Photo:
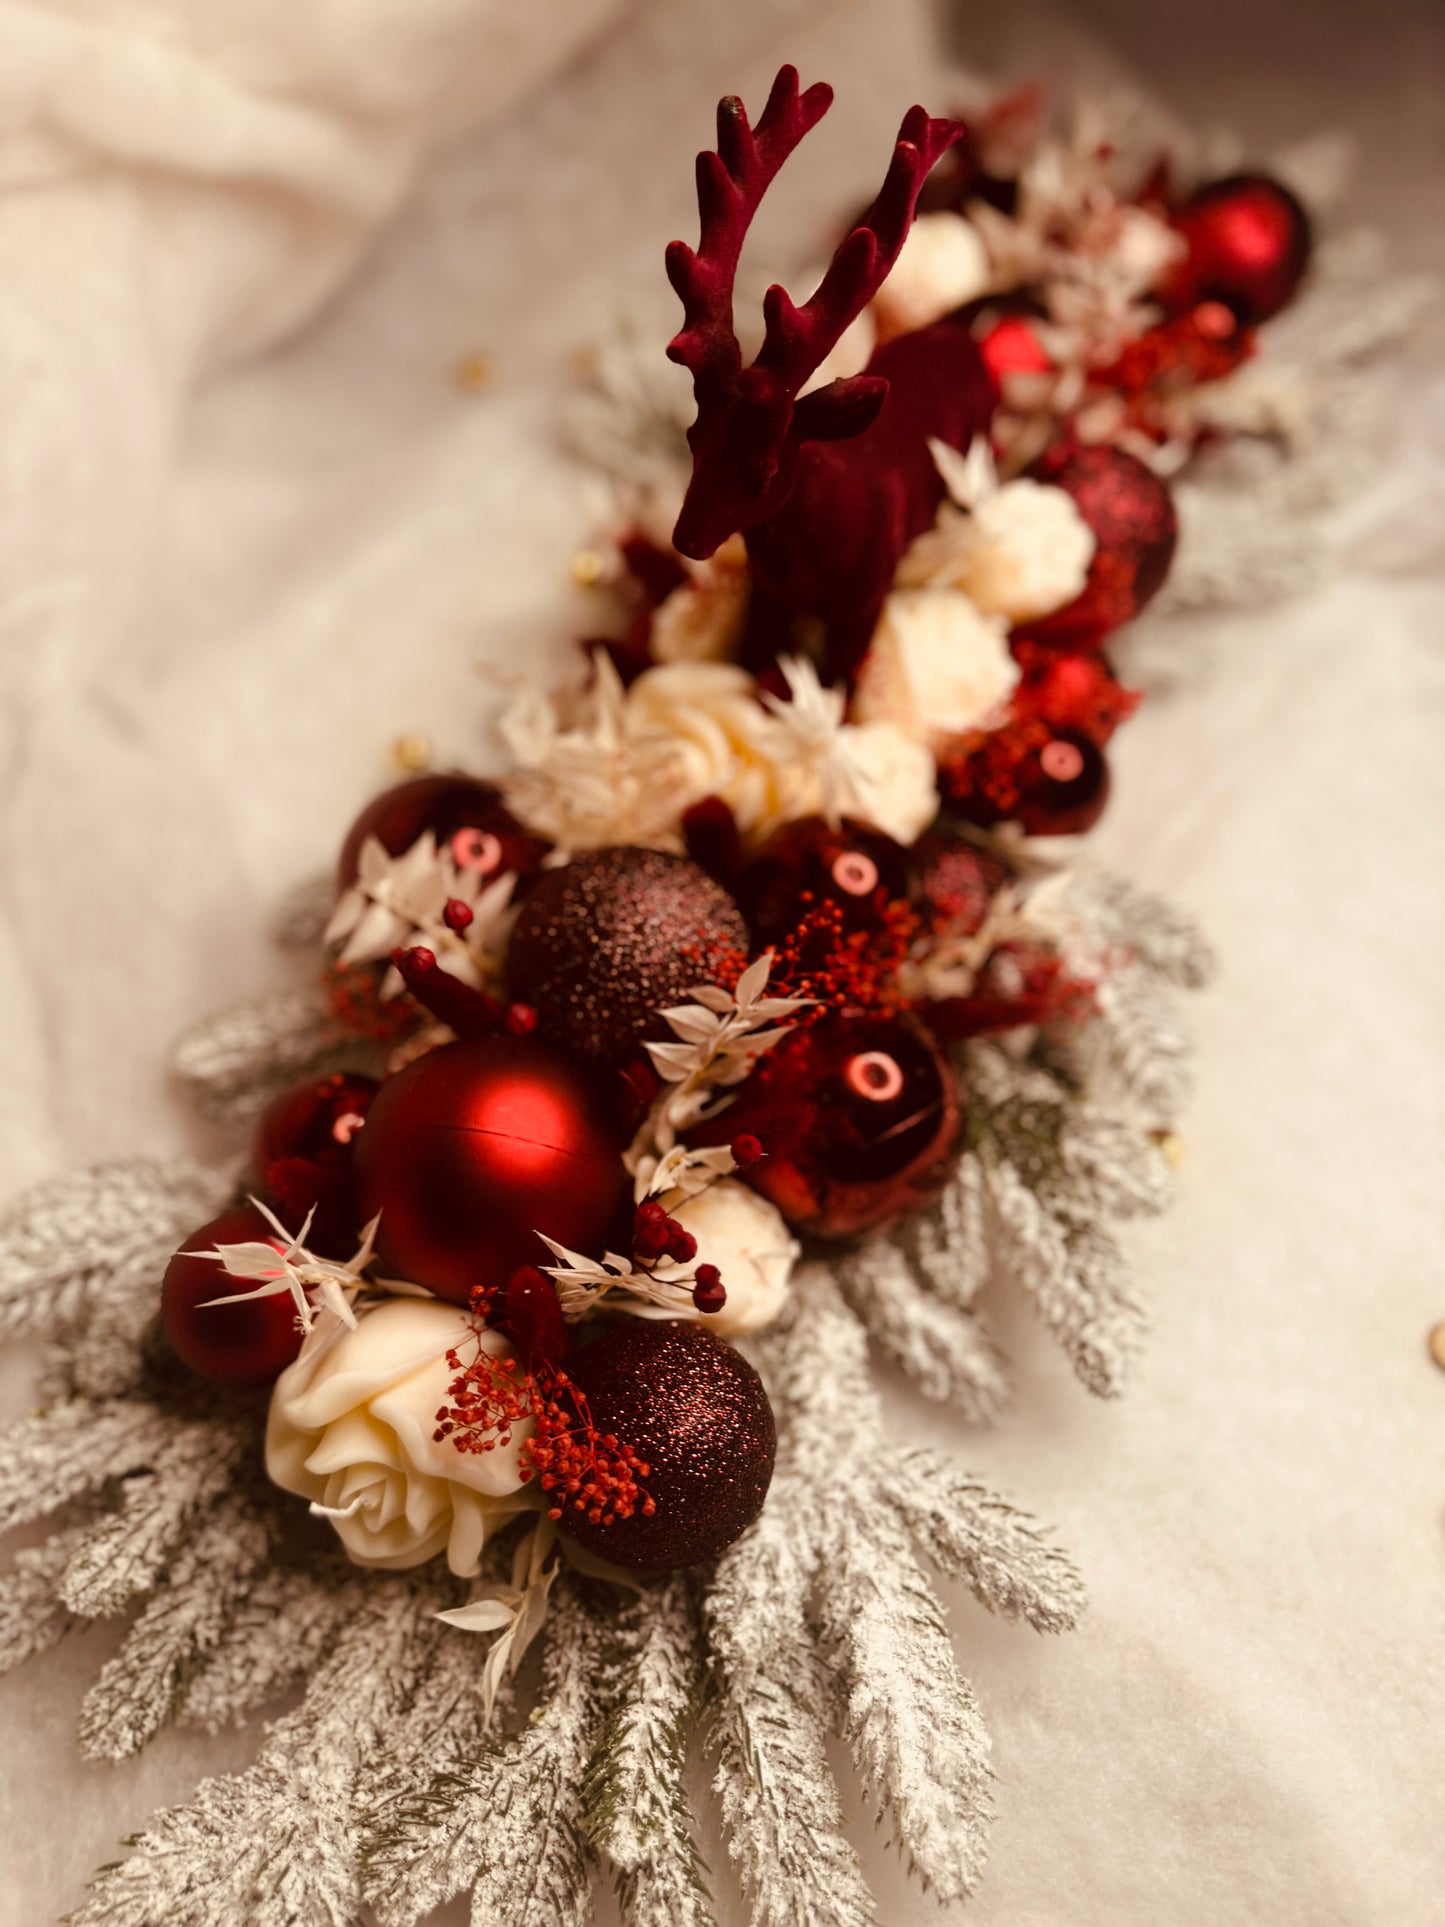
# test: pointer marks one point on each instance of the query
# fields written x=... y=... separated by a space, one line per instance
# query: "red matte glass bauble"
x=604 y=943
x=1249 y=244
x=857 y=1115
x=476 y=1147
x=466 y=816
x=810 y=862
x=1131 y=514
x=954 y=882
x=302 y=1157
x=243 y=1344
x=1063 y=786
x=696 y=1413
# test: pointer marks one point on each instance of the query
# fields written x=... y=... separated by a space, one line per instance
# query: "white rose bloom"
x=748 y=1240
x=1024 y=552
x=722 y=737
x=943 y=263
x=937 y=666
x=894 y=777
x=350 y=1428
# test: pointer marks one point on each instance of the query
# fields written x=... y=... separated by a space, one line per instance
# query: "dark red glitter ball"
x=1249 y=244
x=860 y=1115
x=696 y=1413
x=602 y=945
x=1131 y=513
x=811 y=862
x=467 y=817
x=954 y=882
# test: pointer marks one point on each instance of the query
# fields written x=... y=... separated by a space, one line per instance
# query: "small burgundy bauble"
x=954 y=882
x=466 y=816
x=1248 y=242
x=476 y=1147
x=249 y=1343
x=810 y=862
x=696 y=1413
x=858 y=1115
x=1063 y=786
x=302 y=1157
x=604 y=943
x=1131 y=513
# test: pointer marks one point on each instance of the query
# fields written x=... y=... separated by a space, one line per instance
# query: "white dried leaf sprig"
x=295 y=1269
x=516 y=1612
x=399 y=901
x=720 y=1035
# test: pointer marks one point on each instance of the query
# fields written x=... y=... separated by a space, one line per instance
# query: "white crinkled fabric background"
x=250 y=530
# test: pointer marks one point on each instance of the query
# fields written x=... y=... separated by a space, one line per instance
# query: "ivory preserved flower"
x=702 y=619
x=894 y=779
x=1024 y=552
x=937 y=666
x=943 y=263
x=748 y=1240
x=350 y=1428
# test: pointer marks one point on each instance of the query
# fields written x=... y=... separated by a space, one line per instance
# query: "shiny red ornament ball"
x=303 y=1153
x=954 y=882
x=249 y=1343
x=810 y=862
x=476 y=1147
x=466 y=816
x=1131 y=513
x=606 y=942
x=697 y=1415
x=859 y=1116
x=1249 y=243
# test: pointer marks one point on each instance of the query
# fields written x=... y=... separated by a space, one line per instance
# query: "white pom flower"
x=894 y=779
x=943 y=263
x=1024 y=552
x=937 y=666
x=350 y=1429
x=748 y=1240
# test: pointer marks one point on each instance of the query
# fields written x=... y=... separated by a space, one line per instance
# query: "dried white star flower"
x=290 y=1267
x=398 y=901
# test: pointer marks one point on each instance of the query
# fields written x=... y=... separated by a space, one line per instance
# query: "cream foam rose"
x=1024 y=552
x=937 y=666
x=350 y=1428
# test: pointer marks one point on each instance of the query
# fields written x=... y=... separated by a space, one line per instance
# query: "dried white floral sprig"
x=516 y=1611
x=290 y=1267
x=398 y=902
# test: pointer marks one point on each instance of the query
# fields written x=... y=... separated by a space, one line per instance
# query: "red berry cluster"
x=841 y=969
x=355 y=1004
x=656 y=1236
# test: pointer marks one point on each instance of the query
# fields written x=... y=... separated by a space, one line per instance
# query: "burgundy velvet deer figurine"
x=830 y=487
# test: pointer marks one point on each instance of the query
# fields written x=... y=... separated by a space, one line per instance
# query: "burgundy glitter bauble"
x=302 y=1157
x=696 y=1413
x=1131 y=514
x=857 y=1114
x=603 y=944
x=1249 y=244
x=466 y=816
x=1063 y=787
x=476 y=1147
x=811 y=862
x=249 y=1343
x=954 y=882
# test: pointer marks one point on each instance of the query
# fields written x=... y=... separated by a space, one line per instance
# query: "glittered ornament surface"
x=606 y=942
x=248 y=1343
x=476 y=1147
x=697 y=1414
x=857 y=1116
x=1131 y=513
x=467 y=817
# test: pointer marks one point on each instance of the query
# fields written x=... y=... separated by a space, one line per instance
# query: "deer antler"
x=750 y=421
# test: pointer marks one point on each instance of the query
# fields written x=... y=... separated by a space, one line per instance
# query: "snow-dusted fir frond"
x=301 y=913
x=70 y=1239
x=771 y=1717
x=1152 y=932
x=33 y=1617
x=126 y=1552
x=186 y=1619
x=508 y=1822
x=949 y=1244
x=1085 y=1301
x=1137 y=1042
x=53 y=1457
x=910 y=1718
x=278 y=1632
x=944 y=1350
x=635 y=1797
x=276 y=1846
x=234 y=1063
x=972 y=1534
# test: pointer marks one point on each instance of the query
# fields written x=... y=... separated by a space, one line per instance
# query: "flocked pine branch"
x=635 y=1797
x=52 y=1457
x=234 y=1063
x=945 y=1350
x=277 y=1634
x=33 y=1616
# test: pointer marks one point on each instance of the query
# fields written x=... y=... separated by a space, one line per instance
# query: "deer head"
x=752 y=421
